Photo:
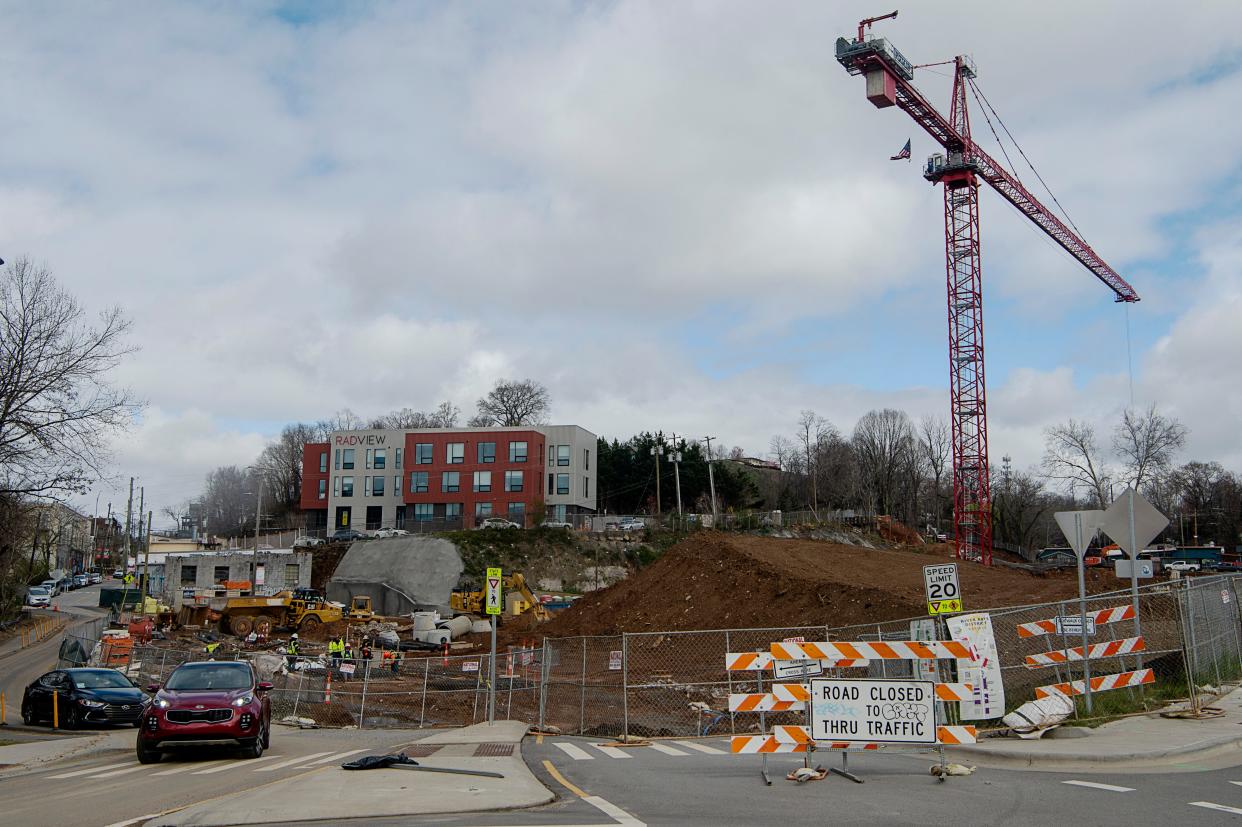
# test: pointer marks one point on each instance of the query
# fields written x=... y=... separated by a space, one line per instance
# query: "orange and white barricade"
x=1101 y=617
x=793 y=697
x=1107 y=649
x=1101 y=683
x=877 y=650
x=748 y=661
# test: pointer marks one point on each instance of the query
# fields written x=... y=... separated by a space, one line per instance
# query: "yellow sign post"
x=494 y=579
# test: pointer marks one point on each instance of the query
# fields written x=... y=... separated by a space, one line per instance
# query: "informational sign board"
x=874 y=711
x=614 y=660
x=1072 y=625
x=1146 y=569
x=924 y=629
x=493 y=591
x=260 y=574
x=984 y=674
x=944 y=595
x=470 y=666
x=793 y=669
x=347 y=669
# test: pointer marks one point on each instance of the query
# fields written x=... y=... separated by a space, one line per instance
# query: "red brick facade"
x=531 y=470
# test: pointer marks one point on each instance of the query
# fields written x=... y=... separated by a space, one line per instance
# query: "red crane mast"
x=889 y=79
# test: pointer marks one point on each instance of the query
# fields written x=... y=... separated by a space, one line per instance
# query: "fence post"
x=362 y=706
x=422 y=712
x=582 y=690
x=1187 y=657
x=729 y=678
x=298 y=696
x=543 y=684
x=625 y=686
x=1215 y=638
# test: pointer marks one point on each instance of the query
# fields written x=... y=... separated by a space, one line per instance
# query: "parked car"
x=1182 y=565
x=308 y=542
x=38 y=596
x=558 y=524
x=631 y=524
x=347 y=535
x=498 y=522
x=85 y=696
x=52 y=586
x=390 y=532
x=94 y=577
x=81 y=581
x=207 y=703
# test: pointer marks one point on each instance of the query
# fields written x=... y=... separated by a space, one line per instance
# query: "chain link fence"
x=654 y=684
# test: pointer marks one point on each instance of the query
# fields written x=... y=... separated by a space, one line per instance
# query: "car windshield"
x=38 y=591
x=103 y=679
x=210 y=676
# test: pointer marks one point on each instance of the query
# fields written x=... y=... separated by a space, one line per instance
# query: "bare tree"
x=1146 y=443
x=57 y=408
x=342 y=420
x=510 y=404
x=885 y=445
x=1071 y=456
x=407 y=419
x=1019 y=505
x=813 y=429
x=935 y=445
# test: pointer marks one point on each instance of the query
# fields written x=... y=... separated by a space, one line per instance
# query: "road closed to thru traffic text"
x=874 y=711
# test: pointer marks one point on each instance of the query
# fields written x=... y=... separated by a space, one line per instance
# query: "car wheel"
x=147 y=755
x=255 y=748
x=267 y=736
x=28 y=714
x=70 y=719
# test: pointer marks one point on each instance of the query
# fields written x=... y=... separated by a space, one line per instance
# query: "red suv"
x=207 y=703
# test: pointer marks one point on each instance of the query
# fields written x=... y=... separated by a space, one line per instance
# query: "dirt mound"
x=714 y=580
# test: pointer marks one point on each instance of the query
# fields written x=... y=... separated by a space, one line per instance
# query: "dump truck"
x=299 y=609
x=472 y=602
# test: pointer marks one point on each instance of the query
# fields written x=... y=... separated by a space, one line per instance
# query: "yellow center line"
x=562 y=780
x=539 y=738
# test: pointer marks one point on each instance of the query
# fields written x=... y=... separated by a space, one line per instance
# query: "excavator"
x=472 y=601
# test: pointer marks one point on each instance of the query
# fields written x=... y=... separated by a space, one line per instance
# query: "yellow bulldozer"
x=472 y=602
x=299 y=609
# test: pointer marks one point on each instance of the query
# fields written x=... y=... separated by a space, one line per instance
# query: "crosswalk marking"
x=575 y=752
x=1237 y=783
x=197 y=765
x=701 y=747
x=76 y=773
x=611 y=752
x=245 y=762
x=337 y=757
x=667 y=750
x=114 y=773
x=1097 y=786
x=301 y=759
x=1209 y=805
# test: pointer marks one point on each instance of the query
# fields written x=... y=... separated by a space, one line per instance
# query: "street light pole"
x=711 y=480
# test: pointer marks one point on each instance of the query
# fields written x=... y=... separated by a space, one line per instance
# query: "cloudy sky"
x=675 y=215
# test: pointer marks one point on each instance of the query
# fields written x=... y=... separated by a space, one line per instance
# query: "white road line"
x=301 y=759
x=575 y=752
x=667 y=750
x=231 y=765
x=337 y=757
x=115 y=773
x=611 y=752
x=1238 y=783
x=1093 y=785
x=130 y=821
x=701 y=747
x=196 y=765
x=76 y=773
x=1209 y=805
x=612 y=810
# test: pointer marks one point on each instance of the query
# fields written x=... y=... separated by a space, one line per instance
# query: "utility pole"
x=107 y=539
x=657 y=451
x=674 y=456
x=146 y=566
x=711 y=481
x=258 y=511
x=129 y=518
x=142 y=504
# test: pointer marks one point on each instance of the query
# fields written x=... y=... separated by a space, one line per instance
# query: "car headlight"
x=162 y=704
x=90 y=703
x=243 y=700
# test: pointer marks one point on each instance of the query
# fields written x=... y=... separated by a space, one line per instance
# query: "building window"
x=323 y=462
x=400 y=521
x=396 y=485
x=482 y=481
x=551 y=456
x=452 y=511
x=419 y=483
x=292 y=573
x=398 y=465
x=381 y=458
x=423 y=453
x=347 y=459
x=562 y=455
x=551 y=477
x=586 y=486
x=220 y=575
x=377 y=486
x=482 y=509
x=424 y=512
x=189 y=575
x=513 y=480
x=487 y=452
x=517 y=452
x=586 y=459
x=517 y=513
x=450 y=481
x=347 y=486
x=562 y=483
x=323 y=489
x=455 y=453
x=366 y=486
x=336 y=486
x=370 y=455
x=336 y=460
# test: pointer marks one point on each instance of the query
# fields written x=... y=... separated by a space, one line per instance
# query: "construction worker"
x=210 y=649
x=291 y=651
x=336 y=650
x=349 y=658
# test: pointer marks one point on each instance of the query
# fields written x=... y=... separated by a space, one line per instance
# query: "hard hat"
x=295 y=635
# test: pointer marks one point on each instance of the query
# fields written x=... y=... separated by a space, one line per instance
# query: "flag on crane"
x=905 y=152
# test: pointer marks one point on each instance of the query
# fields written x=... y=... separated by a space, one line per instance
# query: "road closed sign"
x=877 y=712
x=944 y=595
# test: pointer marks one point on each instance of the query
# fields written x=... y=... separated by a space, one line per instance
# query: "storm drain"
x=421 y=750
x=483 y=750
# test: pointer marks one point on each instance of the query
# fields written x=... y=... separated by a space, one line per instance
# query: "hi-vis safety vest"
x=293 y=647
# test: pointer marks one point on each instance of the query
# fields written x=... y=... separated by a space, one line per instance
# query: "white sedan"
x=390 y=532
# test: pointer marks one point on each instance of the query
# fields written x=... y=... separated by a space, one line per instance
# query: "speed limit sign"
x=944 y=596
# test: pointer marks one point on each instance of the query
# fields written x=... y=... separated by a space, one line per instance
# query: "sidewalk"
x=1149 y=739
x=332 y=794
x=30 y=755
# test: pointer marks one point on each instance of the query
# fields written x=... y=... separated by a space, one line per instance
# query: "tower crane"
x=889 y=82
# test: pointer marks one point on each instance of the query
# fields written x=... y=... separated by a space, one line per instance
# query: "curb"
x=1033 y=759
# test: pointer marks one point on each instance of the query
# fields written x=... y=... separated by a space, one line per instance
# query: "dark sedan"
x=84 y=696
